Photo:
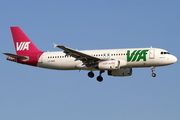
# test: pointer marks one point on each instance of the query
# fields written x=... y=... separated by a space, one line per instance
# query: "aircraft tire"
x=99 y=78
x=91 y=74
x=153 y=74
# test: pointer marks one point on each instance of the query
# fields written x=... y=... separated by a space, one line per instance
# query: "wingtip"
x=5 y=53
x=55 y=45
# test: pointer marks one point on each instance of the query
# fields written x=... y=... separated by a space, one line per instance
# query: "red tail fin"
x=23 y=45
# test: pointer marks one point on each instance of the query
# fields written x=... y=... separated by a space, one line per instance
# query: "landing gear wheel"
x=153 y=74
x=153 y=69
x=91 y=74
x=100 y=78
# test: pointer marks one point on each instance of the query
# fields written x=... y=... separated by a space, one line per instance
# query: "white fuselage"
x=117 y=62
x=134 y=58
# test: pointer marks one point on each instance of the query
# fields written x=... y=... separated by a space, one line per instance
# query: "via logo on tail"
x=22 y=46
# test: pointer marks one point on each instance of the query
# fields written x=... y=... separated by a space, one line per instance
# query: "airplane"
x=117 y=62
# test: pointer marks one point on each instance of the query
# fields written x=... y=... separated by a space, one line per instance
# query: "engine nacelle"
x=120 y=72
x=111 y=64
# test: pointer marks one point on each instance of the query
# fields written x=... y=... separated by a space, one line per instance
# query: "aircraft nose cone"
x=174 y=59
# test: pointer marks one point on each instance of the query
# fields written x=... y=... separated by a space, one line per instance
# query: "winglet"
x=55 y=45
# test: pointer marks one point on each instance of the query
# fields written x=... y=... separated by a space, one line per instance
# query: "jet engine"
x=111 y=64
x=120 y=72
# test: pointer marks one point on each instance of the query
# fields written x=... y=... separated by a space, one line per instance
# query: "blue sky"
x=29 y=93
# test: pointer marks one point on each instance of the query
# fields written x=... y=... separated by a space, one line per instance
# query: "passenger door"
x=151 y=53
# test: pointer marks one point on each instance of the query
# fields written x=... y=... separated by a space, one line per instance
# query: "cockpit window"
x=165 y=53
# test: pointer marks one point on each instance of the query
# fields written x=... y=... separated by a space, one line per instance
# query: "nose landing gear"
x=153 y=69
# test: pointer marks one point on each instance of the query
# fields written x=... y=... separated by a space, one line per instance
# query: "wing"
x=88 y=60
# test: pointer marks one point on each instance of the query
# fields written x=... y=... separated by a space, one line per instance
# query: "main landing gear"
x=153 y=69
x=99 y=78
x=91 y=74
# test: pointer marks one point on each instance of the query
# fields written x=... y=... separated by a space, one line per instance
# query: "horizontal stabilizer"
x=16 y=56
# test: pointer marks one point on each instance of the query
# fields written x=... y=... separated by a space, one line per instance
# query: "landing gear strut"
x=100 y=78
x=91 y=74
x=153 y=69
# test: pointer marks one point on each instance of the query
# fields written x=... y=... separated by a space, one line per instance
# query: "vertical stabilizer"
x=23 y=45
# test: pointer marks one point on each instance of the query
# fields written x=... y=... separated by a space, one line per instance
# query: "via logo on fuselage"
x=136 y=55
x=22 y=46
